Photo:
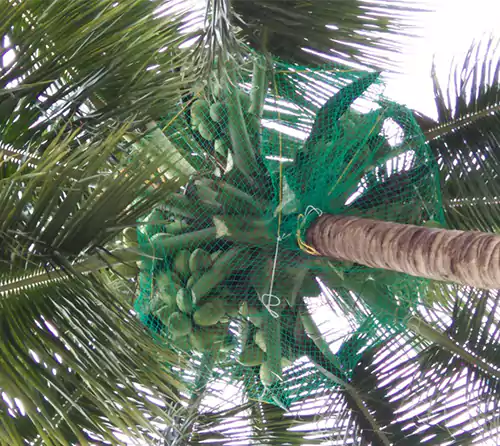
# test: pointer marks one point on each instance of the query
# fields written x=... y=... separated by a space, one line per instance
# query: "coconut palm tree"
x=80 y=83
x=429 y=384
x=373 y=416
x=72 y=349
x=437 y=382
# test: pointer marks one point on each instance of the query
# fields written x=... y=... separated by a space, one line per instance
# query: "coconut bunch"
x=209 y=250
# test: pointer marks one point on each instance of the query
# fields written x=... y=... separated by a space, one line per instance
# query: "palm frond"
x=217 y=43
x=75 y=363
x=348 y=32
x=430 y=391
x=473 y=321
x=417 y=400
x=86 y=62
x=72 y=200
x=465 y=139
x=413 y=390
x=58 y=208
x=82 y=76
x=357 y=33
x=326 y=417
x=408 y=380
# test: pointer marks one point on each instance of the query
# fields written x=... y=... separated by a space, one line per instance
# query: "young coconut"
x=181 y=262
x=209 y=313
x=184 y=300
x=179 y=324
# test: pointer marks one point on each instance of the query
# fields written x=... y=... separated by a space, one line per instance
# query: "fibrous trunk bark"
x=468 y=258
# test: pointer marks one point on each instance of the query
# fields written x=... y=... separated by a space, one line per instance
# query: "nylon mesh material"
x=226 y=273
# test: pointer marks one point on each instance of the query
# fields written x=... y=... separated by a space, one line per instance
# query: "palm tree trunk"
x=468 y=258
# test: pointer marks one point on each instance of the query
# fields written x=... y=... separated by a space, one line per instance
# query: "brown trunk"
x=468 y=258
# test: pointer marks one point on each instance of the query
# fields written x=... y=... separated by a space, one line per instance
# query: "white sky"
x=446 y=33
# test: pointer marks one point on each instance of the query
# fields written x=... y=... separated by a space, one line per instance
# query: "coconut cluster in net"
x=226 y=273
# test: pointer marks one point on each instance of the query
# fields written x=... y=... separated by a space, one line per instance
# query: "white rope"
x=311 y=209
x=267 y=299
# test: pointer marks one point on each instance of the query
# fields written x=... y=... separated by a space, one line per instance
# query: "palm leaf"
x=71 y=202
x=418 y=388
x=86 y=62
x=355 y=33
x=76 y=365
x=68 y=346
x=465 y=139
x=415 y=391
x=437 y=395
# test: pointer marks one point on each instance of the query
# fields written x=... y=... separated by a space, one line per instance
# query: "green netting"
x=225 y=272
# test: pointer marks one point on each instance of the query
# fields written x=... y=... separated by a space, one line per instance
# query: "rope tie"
x=267 y=299
x=303 y=221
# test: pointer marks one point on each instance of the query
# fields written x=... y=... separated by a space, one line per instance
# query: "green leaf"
x=465 y=139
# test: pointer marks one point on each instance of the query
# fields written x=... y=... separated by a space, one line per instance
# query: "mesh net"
x=226 y=273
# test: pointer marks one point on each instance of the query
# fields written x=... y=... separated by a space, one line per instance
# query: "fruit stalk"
x=172 y=243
